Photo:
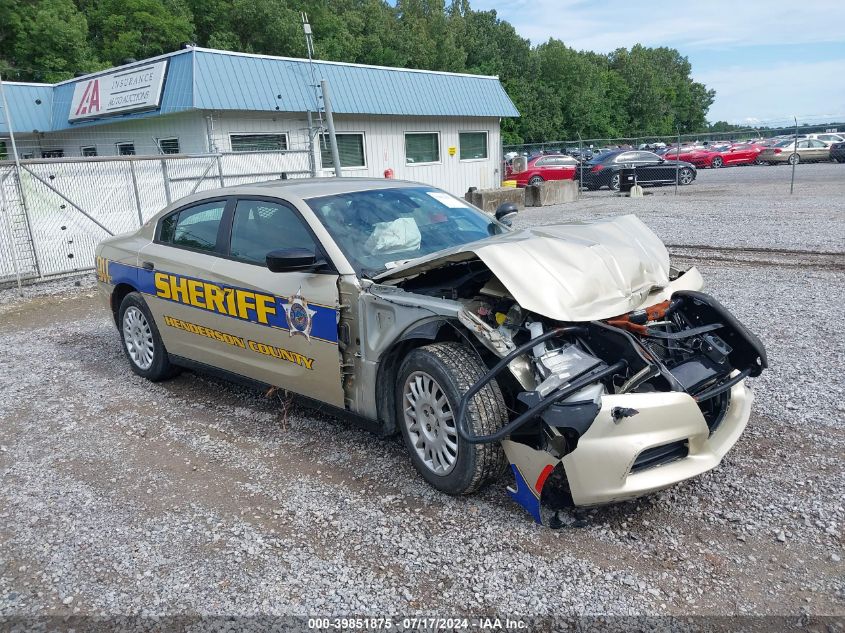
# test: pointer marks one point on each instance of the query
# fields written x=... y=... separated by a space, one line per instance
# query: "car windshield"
x=382 y=228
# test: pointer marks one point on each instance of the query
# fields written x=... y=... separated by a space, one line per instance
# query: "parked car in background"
x=546 y=167
x=651 y=169
x=796 y=151
x=580 y=154
x=837 y=152
x=828 y=137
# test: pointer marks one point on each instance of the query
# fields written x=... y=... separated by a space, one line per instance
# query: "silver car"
x=807 y=151
x=575 y=353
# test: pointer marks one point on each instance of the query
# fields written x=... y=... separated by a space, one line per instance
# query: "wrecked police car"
x=575 y=353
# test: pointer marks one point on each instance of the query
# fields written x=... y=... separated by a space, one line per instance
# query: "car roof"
x=305 y=188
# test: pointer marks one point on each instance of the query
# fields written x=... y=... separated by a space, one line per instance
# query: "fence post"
x=12 y=246
x=135 y=190
x=220 y=170
x=166 y=179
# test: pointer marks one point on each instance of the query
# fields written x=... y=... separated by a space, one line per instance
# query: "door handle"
x=148 y=266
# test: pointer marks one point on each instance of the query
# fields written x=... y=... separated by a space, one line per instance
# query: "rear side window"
x=260 y=227
x=194 y=227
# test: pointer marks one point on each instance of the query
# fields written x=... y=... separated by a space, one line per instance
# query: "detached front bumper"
x=608 y=465
x=601 y=468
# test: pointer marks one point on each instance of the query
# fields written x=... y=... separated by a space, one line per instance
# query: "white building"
x=433 y=127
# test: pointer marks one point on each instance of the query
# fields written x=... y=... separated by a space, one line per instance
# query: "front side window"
x=473 y=145
x=126 y=149
x=350 y=147
x=195 y=227
x=258 y=142
x=379 y=228
x=260 y=227
x=422 y=147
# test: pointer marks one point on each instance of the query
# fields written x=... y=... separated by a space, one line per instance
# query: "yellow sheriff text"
x=281 y=354
x=201 y=330
x=234 y=302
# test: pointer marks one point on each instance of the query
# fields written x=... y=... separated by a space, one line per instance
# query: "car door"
x=650 y=167
x=173 y=271
x=288 y=326
x=818 y=150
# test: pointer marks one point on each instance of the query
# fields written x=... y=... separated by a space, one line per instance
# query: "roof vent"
x=185 y=45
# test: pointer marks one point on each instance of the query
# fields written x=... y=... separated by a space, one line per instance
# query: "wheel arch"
x=117 y=295
x=418 y=335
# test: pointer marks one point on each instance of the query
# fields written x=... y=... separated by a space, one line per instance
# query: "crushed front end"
x=612 y=409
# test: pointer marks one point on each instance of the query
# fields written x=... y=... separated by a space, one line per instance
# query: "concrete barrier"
x=490 y=199
x=551 y=192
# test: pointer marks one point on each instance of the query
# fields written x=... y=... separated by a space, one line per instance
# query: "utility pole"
x=327 y=105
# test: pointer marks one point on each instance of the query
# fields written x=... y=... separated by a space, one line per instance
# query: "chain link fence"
x=54 y=211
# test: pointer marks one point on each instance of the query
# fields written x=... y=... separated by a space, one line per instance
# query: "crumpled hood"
x=568 y=272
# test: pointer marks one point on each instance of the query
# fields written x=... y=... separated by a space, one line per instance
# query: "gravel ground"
x=119 y=496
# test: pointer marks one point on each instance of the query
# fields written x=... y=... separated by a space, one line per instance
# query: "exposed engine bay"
x=558 y=376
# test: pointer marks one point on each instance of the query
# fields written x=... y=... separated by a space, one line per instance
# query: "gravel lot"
x=119 y=496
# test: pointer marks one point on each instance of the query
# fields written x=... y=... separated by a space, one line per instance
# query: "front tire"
x=431 y=381
x=141 y=340
x=717 y=162
x=794 y=159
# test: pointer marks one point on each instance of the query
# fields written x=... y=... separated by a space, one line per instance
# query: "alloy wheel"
x=138 y=338
x=430 y=423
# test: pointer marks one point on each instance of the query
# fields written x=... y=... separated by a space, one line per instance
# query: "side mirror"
x=288 y=260
x=506 y=213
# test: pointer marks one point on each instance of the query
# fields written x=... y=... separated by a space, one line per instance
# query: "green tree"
x=47 y=40
x=139 y=28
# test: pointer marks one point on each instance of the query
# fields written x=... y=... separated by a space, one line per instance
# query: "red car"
x=717 y=156
x=546 y=167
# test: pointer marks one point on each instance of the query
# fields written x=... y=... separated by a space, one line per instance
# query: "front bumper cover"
x=599 y=470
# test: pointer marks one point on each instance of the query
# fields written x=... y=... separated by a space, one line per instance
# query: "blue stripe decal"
x=524 y=496
x=310 y=320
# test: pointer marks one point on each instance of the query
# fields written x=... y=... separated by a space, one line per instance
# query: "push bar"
x=540 y=406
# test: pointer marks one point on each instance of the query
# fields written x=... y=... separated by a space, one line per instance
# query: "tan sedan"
x=575 y=353
x=808 y=150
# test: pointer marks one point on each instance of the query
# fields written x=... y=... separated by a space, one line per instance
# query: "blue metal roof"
x=235 y=81
x=205 y=79
x=28 y=115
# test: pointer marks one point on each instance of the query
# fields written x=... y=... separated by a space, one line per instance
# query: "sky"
x=767 y=60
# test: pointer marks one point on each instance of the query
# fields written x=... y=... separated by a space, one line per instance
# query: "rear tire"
x=535 y=180
x=614 y=182
x=141 y=341
x=794 y=159
x=717 y=162
x=431 y=381
x=685 y=176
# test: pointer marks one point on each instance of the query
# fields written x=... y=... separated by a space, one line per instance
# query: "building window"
x=473 y=145
x=258 y=142
x=349 y=146
x=53 y=153
x=168 y=145
x=4 y=154
x=90 y=150
x=422 y=147
x=125 y=149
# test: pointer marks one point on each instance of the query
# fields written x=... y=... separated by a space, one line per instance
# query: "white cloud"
x=810 y=90
x=719 y=24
